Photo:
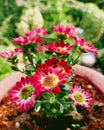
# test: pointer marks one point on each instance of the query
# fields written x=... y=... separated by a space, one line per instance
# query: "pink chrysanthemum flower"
x=11 y=54
x=61 y=64
x=60 y=29
x=24 y=93
x=64 y=32
x=43 y=48
x=60 y=48
x=28 y=39
x=80 y=96
x=48 y=63
x=87 y=47
x=33 y=36
x=42 y=67
x=50 y=79
x=70 y=31
x=90 y=48
x=39 y=31
x=20 y=40
x=55 y=63
x=35 y=39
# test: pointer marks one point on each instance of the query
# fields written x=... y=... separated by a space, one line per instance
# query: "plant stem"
x=28 y=52
x=38 y=101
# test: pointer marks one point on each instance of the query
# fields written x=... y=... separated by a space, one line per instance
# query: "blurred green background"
x=19 y=16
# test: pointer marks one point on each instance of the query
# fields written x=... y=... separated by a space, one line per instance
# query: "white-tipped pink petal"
x=23 y=94
x=80 y=96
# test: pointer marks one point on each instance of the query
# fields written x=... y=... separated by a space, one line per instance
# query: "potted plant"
x=47 y=89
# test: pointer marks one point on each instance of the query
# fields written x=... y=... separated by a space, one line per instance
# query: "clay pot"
x=9 y=82
x=96 y=78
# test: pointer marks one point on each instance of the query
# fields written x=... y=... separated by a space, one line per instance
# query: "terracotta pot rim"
x=95 y=77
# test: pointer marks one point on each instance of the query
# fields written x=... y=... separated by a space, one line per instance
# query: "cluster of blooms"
x=46 y=88
x=33 y=36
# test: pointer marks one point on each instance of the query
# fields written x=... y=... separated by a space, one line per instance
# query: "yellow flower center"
x=62 y=48
x=85 y=47
x=26 y=92
x=50 y=81
x=79 y=97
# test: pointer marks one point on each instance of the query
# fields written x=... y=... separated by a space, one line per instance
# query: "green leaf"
x=38 y=62
x=47 y=95
x=29 y=67
x=52 y=99
x=16 y=61
x=14 y=68
x=48 y=106
x=75 y=61
x=37 y=107
x=28 y=73
x=61 y=108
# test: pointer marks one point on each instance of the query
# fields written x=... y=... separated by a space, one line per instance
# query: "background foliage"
x=17 y=18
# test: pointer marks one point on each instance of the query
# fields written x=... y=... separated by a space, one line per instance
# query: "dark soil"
x=89 y=119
